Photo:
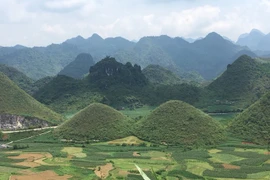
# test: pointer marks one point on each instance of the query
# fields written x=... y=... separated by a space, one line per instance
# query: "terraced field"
x=116 y=159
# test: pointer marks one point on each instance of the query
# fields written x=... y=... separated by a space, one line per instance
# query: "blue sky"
x=42 y=22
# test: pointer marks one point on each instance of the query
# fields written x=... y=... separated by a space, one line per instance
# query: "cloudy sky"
x=42 y=22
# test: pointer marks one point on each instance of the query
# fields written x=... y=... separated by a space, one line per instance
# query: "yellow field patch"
x=259 y=151
x=224 y=158
x=45 y=175
x=74 y=151
x=198 y=167
x=31 y=159
x=214 y=151
x=128 y=140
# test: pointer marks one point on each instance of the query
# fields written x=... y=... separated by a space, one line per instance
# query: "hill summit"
x=79 y=67
x=178 y=123
x=253 y=124
x=96 y=122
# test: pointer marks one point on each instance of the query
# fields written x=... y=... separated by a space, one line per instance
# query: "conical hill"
x=96 y=122
x=253 y=124
x=178 y=123
x=15 y=101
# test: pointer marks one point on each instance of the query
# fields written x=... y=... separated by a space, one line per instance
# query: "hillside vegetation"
x=244 y=82
x=112 y=83
x=14 y=100
x=160 y=75
x=19 y=78
x=178 y=123
x=254 y=123
x=95 y=122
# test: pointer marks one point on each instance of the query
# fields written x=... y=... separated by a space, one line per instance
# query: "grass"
x=198 y=167
x=95 y=122
x=168 y=162
x=172 y=123
x=74 y=151
x=138 y=113
x=15 y=101
x=224 y=158
x=130 y=140
x=260 y=175
x=223 y=118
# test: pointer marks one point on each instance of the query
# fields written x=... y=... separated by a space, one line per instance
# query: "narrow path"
x=25 y=130
x=28 y=137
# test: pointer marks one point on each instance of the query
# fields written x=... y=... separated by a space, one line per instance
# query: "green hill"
x=178 y=123
x=253 y=124
x=244 y=82
x=112 y=83
x=18 y=77
x=95 y=122
x=79 y=67
x=14 y=100
x=160 y=75
x=109 y=72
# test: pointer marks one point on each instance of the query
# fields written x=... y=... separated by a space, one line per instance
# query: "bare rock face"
x=14 y=122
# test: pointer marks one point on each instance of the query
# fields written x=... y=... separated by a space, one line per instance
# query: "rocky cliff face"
x=13 y=122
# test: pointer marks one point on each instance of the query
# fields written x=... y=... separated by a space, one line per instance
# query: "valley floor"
x=43 y=157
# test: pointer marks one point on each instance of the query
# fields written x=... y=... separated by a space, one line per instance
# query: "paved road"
x=25 y=130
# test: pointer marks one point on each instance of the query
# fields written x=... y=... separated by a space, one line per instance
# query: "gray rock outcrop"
x=14 y=122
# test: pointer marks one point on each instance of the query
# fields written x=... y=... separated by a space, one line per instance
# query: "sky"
x=43 y=22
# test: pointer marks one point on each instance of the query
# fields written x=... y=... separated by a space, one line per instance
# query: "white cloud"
x=39 y=22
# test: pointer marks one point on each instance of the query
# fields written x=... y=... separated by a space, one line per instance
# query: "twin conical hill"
x=15 y=101
x=178 y=123
x=96 y=122
x=253 y=124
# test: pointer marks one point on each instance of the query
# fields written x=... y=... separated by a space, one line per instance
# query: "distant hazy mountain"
x=264 y=44
x=99 y=47
x=255 y=40
x=208 y=56
x=39 y=62
x=79 y=67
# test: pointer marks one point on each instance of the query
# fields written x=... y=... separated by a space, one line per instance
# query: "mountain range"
x=204 y=58
x=256 y=41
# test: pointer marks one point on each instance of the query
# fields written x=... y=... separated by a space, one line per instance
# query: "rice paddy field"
x=42 y=157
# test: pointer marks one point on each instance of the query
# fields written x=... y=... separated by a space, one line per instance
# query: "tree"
x=1 y=135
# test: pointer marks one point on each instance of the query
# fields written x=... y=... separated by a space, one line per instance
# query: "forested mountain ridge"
x=244 y=82
x=175 y=54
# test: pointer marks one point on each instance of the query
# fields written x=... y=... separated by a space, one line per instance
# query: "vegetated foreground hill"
x=160 y=75
x=244 y=82
x=14 y=100
x=253 y=124
x=78 y=68
x=18 y=78
x=178 y=123
x=95 y=122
